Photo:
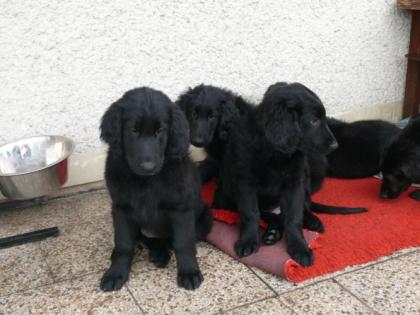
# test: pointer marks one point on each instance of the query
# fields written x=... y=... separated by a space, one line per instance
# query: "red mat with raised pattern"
x=348 y=240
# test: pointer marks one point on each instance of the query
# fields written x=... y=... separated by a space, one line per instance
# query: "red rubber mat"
x=348 y=240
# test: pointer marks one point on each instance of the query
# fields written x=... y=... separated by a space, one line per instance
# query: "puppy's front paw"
x=247 y=247
x=113 y=280
x=302 y=254
x=313 y=223
x=271 y=236
x=190 y=280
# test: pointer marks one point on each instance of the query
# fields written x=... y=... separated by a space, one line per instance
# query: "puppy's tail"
x=204 y=223
x=320 y=208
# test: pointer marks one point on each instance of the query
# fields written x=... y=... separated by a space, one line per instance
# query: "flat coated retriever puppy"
x=211 y=111
x=266 y=164
x=361 y=147
x=154 y=186
x=401 y=166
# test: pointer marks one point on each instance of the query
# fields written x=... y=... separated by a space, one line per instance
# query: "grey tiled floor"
x=61 y=275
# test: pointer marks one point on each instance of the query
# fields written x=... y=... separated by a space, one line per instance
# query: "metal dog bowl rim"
x=70 y=141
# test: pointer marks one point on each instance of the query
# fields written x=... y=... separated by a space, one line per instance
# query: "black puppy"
x=361 y=147
x=211 y=111
x=266 y=164
x=401 y=166
x=154 y=186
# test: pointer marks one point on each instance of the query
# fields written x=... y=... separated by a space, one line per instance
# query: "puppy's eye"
x=194 y=115
x=158 y=132
x=211 y=117
x=316 y=122
x=134 y=130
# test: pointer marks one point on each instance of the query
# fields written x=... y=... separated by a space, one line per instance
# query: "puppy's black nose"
x=148 y=166
x=197 y=141
x=333 y=145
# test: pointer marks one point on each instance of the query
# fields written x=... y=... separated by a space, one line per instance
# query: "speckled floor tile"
x=56 y=212
x=271 y=306
x=204 y=249
x=227 y=284
x=326 y=297
x=84 y=207
x=17 y=221
x=78 y=296
x=281 y=285
x=389 y=287
x=22 y=267
x=80 y=248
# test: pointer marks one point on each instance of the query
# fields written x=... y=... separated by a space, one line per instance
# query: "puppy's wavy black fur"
x=401 y=166
x=154 y=186
x=211 y=111
x=266 y=164
x=362 y=146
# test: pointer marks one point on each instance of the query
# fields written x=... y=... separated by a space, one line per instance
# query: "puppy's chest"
x=273 y=172
x=216 y=149
x=147 y=212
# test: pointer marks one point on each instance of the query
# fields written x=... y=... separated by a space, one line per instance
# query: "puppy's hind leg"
x=274 y=230
x=159 y=251
x=311 y=221
x=208 y=169
x=220 y=200
x=125 y=238
x=204 y=223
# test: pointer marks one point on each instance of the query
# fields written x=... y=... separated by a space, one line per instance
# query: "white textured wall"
x=63 y=62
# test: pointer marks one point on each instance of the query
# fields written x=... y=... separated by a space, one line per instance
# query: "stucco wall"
x=63 y=62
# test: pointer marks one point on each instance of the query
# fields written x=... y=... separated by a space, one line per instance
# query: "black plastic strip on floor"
x=28 y=237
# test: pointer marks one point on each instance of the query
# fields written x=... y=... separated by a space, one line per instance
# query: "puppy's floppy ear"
x=111 y=126
x=310 y=92
x=281 y=126
x=229 y=113
x=274 y=86
x=186 y=99
x=178 y=140
x=183 y=100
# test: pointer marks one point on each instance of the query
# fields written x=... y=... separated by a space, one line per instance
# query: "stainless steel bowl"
x=34 y=167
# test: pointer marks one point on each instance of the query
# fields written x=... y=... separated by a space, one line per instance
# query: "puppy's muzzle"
x=197 y=141
x=333 y=146
x=148 y=166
